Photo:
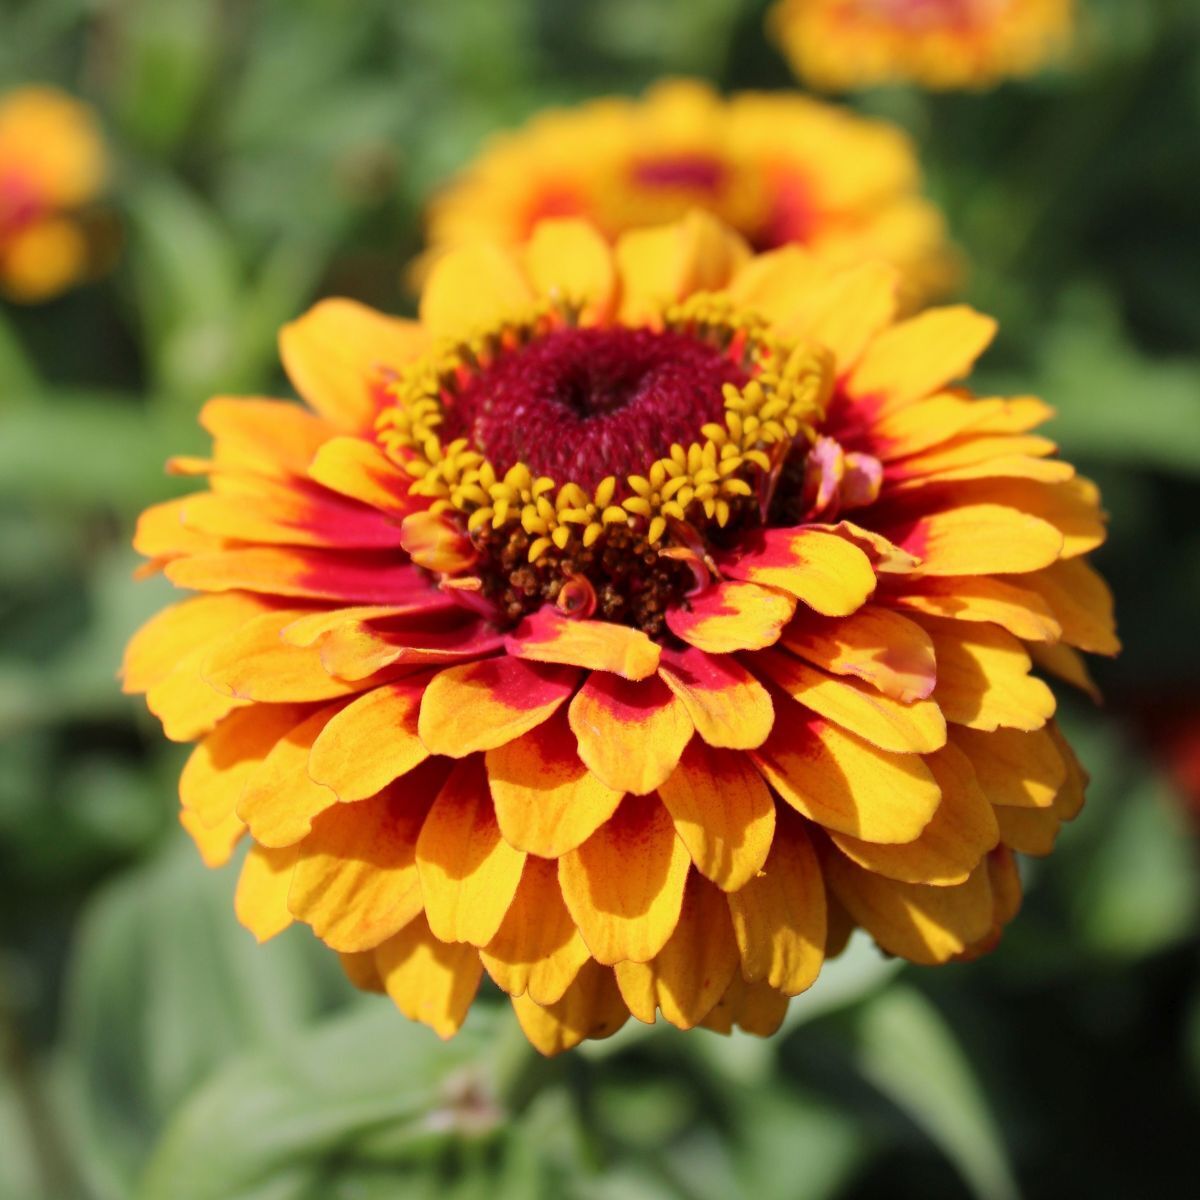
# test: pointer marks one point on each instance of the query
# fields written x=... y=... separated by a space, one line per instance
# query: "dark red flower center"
x=581 y=404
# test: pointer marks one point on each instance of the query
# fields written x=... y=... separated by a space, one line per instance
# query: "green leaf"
x=272 y=1122
x=905 y=1049
x=165 y=985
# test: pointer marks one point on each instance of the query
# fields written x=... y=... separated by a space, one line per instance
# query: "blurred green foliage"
x=271 y=151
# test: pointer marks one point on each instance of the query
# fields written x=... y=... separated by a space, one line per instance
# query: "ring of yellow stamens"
x=700 y=483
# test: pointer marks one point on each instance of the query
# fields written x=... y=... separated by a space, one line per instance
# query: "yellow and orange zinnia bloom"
x=52 y=163
x=778 y=168
x=838 y=45
x=631 y=628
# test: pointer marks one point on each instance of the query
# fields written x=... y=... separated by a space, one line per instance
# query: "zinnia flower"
x=838 y=45
x=52 y=163
x=631 y=628
x=778 y=168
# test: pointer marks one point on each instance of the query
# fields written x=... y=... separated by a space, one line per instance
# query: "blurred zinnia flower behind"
x=632 y=627
x=838 y=45
x=777 y=168
x=52 y=164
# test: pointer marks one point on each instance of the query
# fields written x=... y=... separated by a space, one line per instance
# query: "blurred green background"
x=272 y=151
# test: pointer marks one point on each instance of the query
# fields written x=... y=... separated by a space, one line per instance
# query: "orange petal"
x=829 y=574
x=434 y=543
x=340 y=351
x=218 y=770
x=624 y=885
x=1072 y=508
x=160 y=646
x=161 y=532
x=280 y=799
x=310 y=574
x=548 y=636
x=727 y=705
x=847 y=310
x=889 y=724
x=359 y=650
x=1069 y=802
x=927 y=925
x=276 y=438
x=361 y=970
x=779 y=916
x=984 y=680
x=758 y=1008
x=186 y=704
x=919 y=426
x=537 y=949
x=473 y=289
x=1031 y=831
x=662 y=265
x=469 y=873
x=732 y=616
x=568 y=262
x=844 y=783
x=723 y=813
x=978 y=539
x=255 y=663
x=547 y=801
x=590 y=1008
x=1015 y=769
x=356 y=880
x=952 y=845
x=481 y=705
x=1082 y=603
x=916 y=357
x=372 y=741
x=1011 y=605
x=693 y=970
x=354 y=467
x=260 y=901
x=629 y=734
x=876 y=645
x=215 y=843
x=429 y=981
x=1066 y=664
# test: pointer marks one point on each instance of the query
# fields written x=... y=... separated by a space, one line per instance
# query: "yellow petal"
x=430 y=981
x=876 y=645
x=732 y=616
x=1014 y=768
x=547 y=801
x=590 y=1008
x=927 y=925
x=469 y=873
x=260 y=901
x=280 y=800
x=356 y=880
x=693 y=970
x=473 y=289
x=844 y=783
x=889 y=724
x=779 y=916
x=723 y=813
x=916 y=357
x=983 y=678
x=727 y=705
x=339 y=351
x=568 y=261
x=537 y=948
x=629 y=734
x=1007 y=603
x=1082 y=603
x=372 y=741
x=624 y=885
x=952 y=845
x=550 y=637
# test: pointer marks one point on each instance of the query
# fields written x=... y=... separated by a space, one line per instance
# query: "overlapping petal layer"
x=836 y=721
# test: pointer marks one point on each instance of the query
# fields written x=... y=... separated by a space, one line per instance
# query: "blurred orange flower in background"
x=52 y=164
x=839 y=45
x=632 y=627
x=778 y=168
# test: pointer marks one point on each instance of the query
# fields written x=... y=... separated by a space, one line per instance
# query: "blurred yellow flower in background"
x=52 y=164
x=839 y=45
x=631 y=628
x=778 y=168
